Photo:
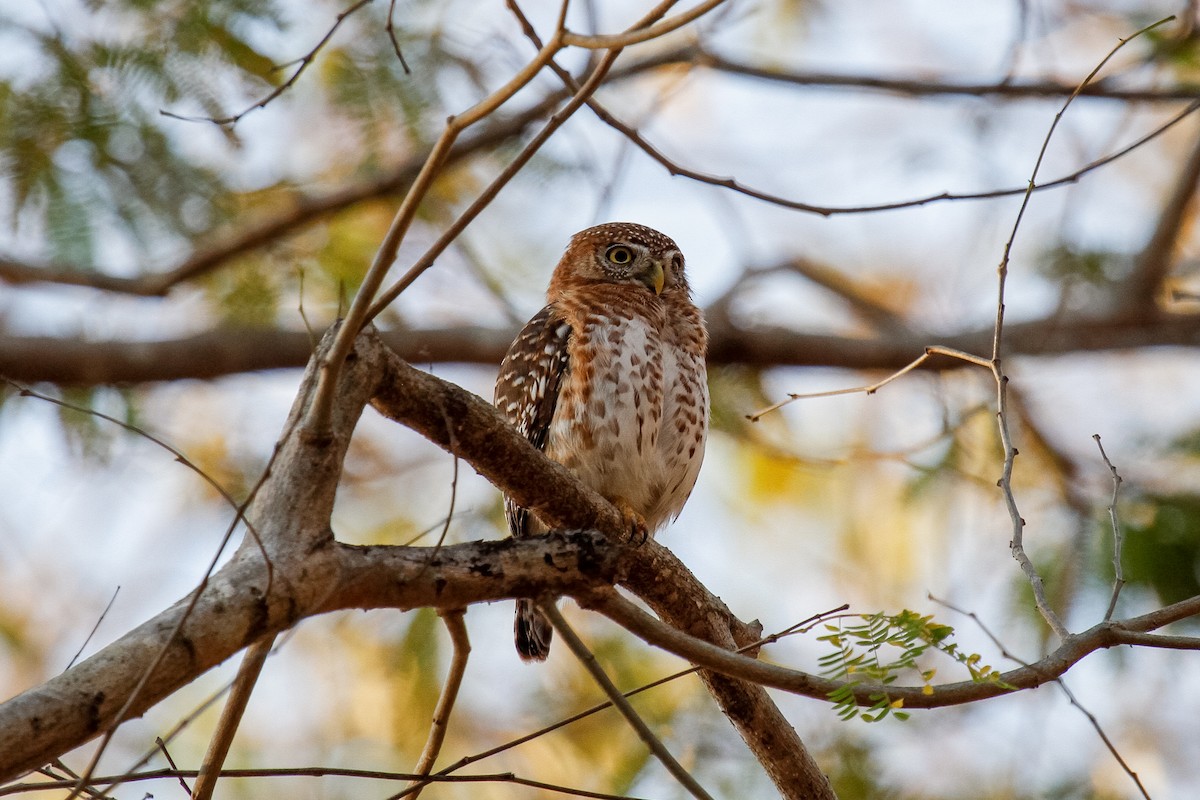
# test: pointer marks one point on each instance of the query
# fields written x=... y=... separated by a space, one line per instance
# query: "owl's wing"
x=527 y=388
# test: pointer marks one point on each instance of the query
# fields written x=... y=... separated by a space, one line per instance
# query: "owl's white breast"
x=632 y=419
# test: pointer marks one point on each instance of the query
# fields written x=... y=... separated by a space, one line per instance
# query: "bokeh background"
x=885 y=501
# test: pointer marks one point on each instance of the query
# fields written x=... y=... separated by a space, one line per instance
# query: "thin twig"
x=321 y=772
x=733 y=184
x=239 y=516
x=231 y=717
x=933 y=350
x=920 y=87
x=312 y=208
x=162 y=746
x=390 y=27
x=191 y=716
x=317 y=422
x=1104 y=635
x=95 y=628
x=441 y=714
x=639 y=34
x=302 y=63
x=24 y=391
x=60 y=765
x=585 y=656
x=186 y=614
x=581 y=95
x=1118 y=536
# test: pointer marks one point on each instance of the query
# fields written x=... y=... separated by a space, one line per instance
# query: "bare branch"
x=639 y=32
x=453 y=618
x=1016 y=544
x=489 y=193
x=1049 y=668
x=926 y=87
x=932 y=350
x=231 y=718
x=1095 y=723
x=1118 y=538
x=675 y=168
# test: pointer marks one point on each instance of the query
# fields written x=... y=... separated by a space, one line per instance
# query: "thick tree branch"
x=308 y=573
x=72 y=361
x=424 y=403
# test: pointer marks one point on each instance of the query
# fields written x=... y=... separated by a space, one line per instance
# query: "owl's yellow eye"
x=619 y=254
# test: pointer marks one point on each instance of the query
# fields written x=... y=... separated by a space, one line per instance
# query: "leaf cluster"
x=884 y=647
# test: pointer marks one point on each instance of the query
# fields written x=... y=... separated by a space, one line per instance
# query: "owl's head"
x=622 y=253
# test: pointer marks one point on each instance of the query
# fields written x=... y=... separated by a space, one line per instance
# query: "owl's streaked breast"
x=633 y=413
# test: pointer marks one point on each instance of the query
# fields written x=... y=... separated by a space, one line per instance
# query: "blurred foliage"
x=88 y=434
x=416 y=665
x=246 y=293
x=83 y=134
x=1161 y=546
x=1169 y=48
x=111 y=133
x=1066 y=262
x=853 y=772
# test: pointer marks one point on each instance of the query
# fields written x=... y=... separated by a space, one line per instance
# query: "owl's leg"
x=635 y=523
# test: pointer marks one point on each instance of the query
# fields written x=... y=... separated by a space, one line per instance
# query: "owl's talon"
x=635 y=524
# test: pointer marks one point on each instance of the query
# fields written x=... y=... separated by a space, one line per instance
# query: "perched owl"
x=609 y=380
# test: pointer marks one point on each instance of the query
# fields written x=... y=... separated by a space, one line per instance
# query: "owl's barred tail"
x=532 y=631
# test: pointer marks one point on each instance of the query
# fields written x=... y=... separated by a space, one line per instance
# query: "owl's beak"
x=655 y=277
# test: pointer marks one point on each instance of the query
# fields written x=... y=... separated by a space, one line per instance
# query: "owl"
x=609 y=380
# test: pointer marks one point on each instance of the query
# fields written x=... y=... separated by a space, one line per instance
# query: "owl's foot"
x=635 y=523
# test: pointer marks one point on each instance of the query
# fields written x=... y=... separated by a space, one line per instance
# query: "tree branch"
x=1141 y=288
x=927 y=87
x=1049 y=668
x=215 y=353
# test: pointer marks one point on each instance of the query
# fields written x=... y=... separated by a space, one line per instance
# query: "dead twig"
x=1118 y=536
x=933 y=350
